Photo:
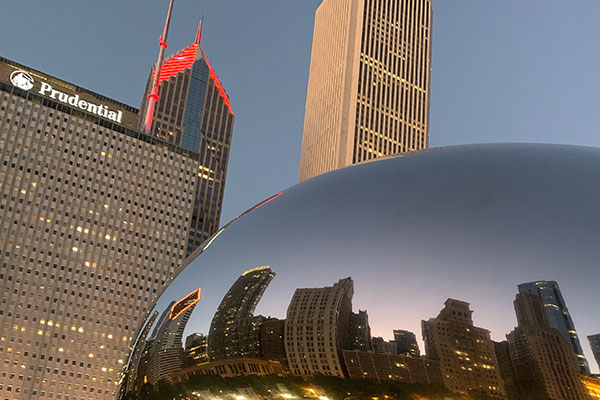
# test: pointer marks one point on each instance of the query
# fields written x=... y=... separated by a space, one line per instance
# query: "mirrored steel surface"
x=395 y=237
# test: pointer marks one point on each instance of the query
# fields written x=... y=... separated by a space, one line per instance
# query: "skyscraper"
x=542 y=359
x=317 y=329
x=166 y=353
x=558 y=315
x=193 y=112
x=595 y=345
x=235 y=330
x=95 y=218
x=368 y=85
x=466 y=352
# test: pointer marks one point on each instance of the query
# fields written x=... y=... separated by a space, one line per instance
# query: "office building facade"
x=95 y=219
x=368 y=86
x=317 y=329
x=542 y=359
x=194 y=112
x=466 y=352
x=558 y=315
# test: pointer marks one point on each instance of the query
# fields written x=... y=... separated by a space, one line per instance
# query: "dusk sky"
x=502 y=71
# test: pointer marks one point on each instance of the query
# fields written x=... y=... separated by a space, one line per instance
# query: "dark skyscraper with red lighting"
x=193 y=112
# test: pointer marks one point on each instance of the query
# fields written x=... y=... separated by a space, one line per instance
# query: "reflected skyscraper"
x=165 y=355
x=235 y=330
x=196 y=349
x=542 y=359
x=317 y=329
x=193 y=112
x=558 y=315
x=506 y=368
x=466 y=352
x=368 y=85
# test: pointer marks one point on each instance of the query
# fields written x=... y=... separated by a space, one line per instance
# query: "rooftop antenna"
x=199 y=32
x=153 y=96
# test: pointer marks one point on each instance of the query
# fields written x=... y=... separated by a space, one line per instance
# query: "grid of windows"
x=393 y=85
x=368 y=90
x=466 y=353
x=93 y=223
x=317 y=329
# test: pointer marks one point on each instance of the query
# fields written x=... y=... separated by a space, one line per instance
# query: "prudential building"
x=95 y=218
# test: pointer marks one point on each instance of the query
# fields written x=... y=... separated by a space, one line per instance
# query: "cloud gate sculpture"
x=456 y=272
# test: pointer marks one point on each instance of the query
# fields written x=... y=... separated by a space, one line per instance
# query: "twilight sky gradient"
x=503 y=71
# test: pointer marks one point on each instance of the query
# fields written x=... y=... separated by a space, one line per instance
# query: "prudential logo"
x=22 y=80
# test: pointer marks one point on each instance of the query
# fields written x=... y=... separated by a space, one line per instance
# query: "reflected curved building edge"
x=451 y=272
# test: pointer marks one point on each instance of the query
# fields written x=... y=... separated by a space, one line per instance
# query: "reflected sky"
x=467 y=222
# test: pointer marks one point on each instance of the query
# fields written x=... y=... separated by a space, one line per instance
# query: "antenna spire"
x=153 y=96
x=199 y=32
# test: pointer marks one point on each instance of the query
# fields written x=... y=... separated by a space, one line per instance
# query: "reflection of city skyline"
x=381 y=327
x=321 y=335
x=475 y=247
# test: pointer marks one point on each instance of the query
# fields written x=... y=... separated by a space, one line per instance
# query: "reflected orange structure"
x=592 y=385
x=185 y=303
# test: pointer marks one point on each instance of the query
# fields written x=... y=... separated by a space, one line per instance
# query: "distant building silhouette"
x=380 y=345
x=272 y=343
x=406 y=343
x=317 y=329
x=360 y=331
x=506 y=368
x=542 y=359
x=558 y=315
x=595 y=345
x=466 y=352
x=234 y=330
